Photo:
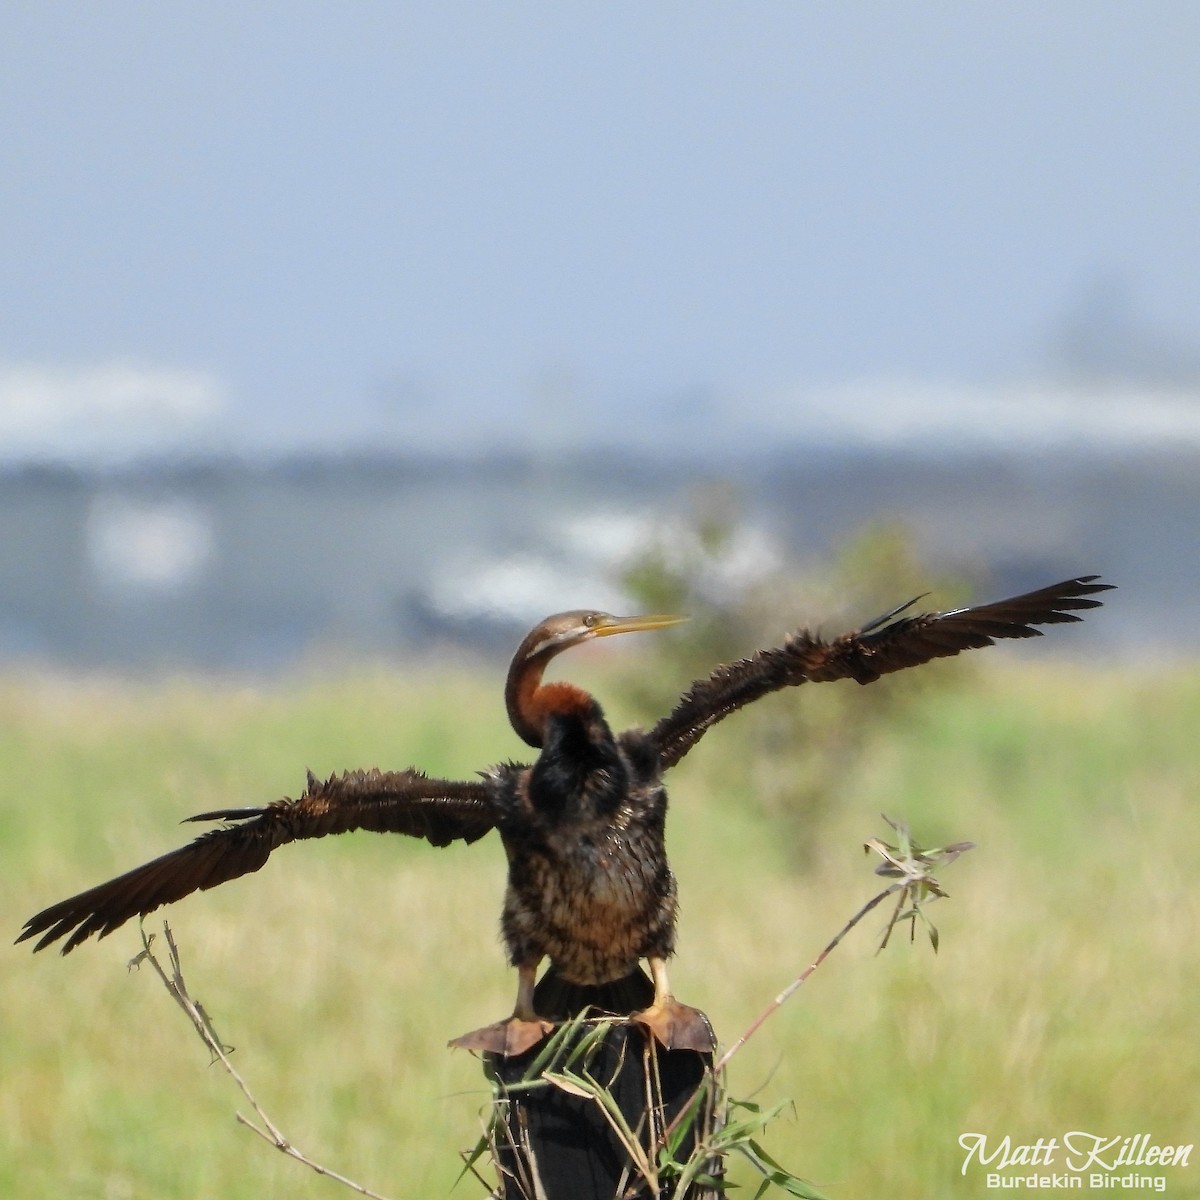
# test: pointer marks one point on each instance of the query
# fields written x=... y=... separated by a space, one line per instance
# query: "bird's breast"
x=593 y=902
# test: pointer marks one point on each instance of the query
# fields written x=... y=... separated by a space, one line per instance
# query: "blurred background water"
x=379 y=329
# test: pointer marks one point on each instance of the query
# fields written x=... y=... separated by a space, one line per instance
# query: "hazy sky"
x=291 y=221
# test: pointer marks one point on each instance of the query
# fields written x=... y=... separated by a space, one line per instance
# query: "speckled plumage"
x=589 y=885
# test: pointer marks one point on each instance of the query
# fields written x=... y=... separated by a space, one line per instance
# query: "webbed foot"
x=509 y=1038
x=678 y=1026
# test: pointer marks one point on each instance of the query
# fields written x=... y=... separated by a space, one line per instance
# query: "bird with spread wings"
x=589 y=884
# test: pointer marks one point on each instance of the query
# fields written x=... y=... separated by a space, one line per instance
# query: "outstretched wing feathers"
x=443 y=811
x=910 y=641
x=439 y=810
x=409 y=802
x=889 y=643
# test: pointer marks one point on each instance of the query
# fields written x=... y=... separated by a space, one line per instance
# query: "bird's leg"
x=520 y=1032
x=675 y=1025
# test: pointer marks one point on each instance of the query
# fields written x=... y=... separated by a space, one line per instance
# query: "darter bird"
x=589 y=884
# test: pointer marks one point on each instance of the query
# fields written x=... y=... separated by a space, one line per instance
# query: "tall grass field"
x=1064 y=995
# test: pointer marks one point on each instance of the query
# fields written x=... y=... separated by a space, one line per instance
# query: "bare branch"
x=800 y=979
x=911 y=866
x=268 y=1130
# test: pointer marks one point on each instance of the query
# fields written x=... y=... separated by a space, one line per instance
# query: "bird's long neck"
x=530 y=701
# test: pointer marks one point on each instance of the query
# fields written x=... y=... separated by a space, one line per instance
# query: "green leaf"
x=572 y=1085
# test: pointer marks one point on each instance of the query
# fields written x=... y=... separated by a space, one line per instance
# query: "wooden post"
x=553 y=1138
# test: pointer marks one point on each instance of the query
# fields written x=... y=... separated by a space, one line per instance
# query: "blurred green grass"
x=1063 y=997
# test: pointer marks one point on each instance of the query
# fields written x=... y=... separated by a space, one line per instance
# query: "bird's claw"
x=509 y=1038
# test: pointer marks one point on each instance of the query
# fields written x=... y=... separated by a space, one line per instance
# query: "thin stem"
x=269 y=1132
x=803 y=976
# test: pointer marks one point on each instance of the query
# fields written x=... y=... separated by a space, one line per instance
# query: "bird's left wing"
x=409 y=802
x=889 y=643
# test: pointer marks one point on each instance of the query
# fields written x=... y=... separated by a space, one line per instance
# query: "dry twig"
x=911 y=867
x=267 y=1130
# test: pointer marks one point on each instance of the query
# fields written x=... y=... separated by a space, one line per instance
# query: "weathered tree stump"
x=582 y=1116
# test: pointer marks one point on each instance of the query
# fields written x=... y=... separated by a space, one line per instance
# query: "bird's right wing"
x=889 y=643
x=409 y=802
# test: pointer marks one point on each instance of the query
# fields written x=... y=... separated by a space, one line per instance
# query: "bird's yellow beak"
x=606 y=624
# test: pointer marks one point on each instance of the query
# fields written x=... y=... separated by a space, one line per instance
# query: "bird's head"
x=529 y=702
